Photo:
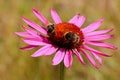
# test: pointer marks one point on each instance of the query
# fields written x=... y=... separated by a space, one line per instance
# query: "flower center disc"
x=65 y=35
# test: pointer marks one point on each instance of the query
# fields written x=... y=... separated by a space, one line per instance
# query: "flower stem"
x=62 y=71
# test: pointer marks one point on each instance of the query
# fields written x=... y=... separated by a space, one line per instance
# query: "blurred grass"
x=18 y=65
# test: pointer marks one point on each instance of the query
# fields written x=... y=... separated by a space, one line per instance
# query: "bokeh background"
x=16 y=64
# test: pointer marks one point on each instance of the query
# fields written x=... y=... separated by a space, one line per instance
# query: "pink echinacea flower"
x=65 y=39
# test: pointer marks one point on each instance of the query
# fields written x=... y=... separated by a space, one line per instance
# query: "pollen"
x=65 y=35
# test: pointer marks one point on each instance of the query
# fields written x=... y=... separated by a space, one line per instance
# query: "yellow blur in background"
x=16 y=64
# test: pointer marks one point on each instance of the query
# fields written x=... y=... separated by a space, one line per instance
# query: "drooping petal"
x=58 y=57
x=93 y=26
x=98 y=37
x=99 y=32
x=68 y=59
x=51 y=50
x=34 y=25
x=29 y=47
x=89 y=58
x=101 y=44
x=40 y=17
x=95 y=51
x=55 y=16
x=74 y=19
x=32 y=32
x=97 y=57
x=79 y=56
x=80 y=21
x=41 y=51
x=35 y=34
x=24 y=34
x=34 y=41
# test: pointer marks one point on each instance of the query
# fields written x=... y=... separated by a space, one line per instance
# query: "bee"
x=51 y=29
x=72 y=37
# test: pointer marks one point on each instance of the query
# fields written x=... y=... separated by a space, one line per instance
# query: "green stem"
x=62 y=71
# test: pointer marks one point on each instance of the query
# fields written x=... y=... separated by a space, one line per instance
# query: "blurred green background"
x=16 y=64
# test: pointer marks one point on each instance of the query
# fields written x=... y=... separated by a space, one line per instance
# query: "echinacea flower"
x=65 y=39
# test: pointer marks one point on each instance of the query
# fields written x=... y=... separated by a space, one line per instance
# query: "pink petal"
x=93 y=26
x=101 y=44
x=80 y=21
x=34 y=41
x=32 y=32
x=24 y=34
x=79 y=56
x=99 y=32
x=40 y=17
x=51 y=50
x=89 y=58
x=55 y=16
x=98 y=37
x=68 y=59
x=95 y=51
x=28 y=47
x=74 y=19
x=58 y=57
x=41 y=51
x=34 y=25
x=97 y=57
